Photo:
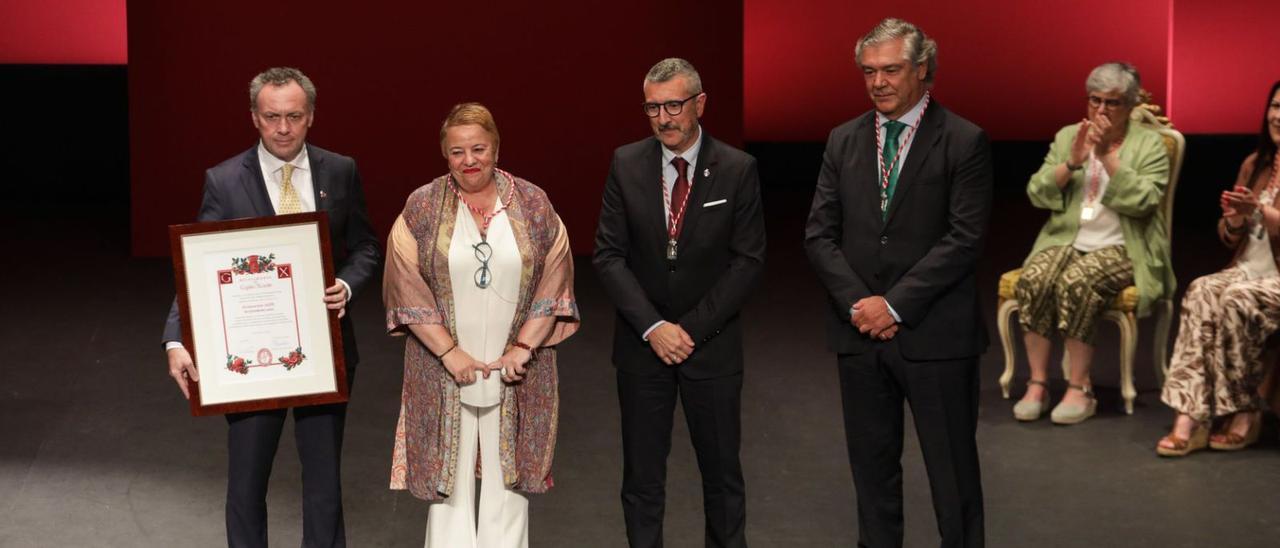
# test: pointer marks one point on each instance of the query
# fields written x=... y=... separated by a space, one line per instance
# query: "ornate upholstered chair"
x=1123 y=311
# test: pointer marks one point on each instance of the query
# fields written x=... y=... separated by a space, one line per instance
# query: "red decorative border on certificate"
x=332 y=364
x=251 y=265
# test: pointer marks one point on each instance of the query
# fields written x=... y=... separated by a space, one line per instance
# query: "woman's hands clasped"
x=463 y=368
x=512 y=364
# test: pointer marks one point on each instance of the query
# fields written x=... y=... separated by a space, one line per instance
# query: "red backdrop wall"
x=563 y=79
x=1225 y=59
x=63 y=32
x=1016 y=68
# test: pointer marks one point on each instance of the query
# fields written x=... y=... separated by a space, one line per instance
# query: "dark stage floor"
x=99 y=449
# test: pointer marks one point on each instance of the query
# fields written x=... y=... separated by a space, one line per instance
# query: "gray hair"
x=917 y=48
x=671 y=67
x=1118 y=77
x=281 y=76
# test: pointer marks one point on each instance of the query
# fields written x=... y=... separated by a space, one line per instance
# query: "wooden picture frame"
x=251 y=300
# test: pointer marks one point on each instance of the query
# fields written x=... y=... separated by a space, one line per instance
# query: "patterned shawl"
x=417 y=290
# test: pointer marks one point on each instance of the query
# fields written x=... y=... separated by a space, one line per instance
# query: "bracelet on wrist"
x=1073 y=167
x=442 y=354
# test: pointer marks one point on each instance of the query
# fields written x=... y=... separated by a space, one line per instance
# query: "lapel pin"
x=706 y=172
x=323 y=195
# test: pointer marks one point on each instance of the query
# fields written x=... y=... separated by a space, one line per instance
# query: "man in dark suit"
x=284 y=174
x=680 y=244
x=895 y=232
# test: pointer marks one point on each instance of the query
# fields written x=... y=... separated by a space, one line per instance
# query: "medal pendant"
x=1087 y=213
x=671 y=250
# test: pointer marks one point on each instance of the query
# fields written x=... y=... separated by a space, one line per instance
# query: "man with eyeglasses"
x=284 y=174
x=895 y=231
x=680 y=244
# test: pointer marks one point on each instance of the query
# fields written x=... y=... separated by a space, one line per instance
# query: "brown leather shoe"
x=1181 y=447
x=1226 y=440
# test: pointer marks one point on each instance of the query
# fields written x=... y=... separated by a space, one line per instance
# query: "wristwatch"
x=1073 y=167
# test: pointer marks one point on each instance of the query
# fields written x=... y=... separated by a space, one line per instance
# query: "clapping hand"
x=1086 y=138
x=1106 y=145
x=1238 y=201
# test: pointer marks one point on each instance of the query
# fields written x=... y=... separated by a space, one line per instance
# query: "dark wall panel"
x=65 y=139
x=563 y=79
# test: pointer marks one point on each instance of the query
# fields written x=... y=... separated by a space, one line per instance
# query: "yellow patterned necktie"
x=289 y=202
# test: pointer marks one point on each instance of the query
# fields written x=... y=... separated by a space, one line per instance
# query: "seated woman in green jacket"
x=1102 y=183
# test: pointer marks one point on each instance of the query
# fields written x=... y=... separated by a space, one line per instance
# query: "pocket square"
x=715 y=203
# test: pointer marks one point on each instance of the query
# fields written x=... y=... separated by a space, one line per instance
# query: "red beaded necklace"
x=486 y=217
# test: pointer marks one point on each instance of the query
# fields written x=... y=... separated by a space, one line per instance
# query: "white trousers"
x=503 y=521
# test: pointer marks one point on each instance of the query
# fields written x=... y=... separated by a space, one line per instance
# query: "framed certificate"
x=251 y=298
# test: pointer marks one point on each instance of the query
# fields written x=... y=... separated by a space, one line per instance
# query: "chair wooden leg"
x=1128 y=347
x=1005 y=310
x=1164 y=318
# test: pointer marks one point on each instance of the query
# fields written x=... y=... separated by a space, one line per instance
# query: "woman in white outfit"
x=1227 y=316
x=479 y=271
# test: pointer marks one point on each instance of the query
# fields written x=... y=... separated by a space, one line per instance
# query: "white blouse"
x=1257 y=260
x=483 y=317
x=1103 y=229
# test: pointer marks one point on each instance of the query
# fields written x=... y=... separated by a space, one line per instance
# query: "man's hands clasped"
x=671 y=343
x=871 y=317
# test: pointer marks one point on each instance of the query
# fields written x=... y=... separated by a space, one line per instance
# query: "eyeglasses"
x=1095 y=102
x=483 y=253
x=274 y=118
x=674 y=108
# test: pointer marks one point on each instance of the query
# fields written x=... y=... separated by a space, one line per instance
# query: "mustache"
x=668 y=125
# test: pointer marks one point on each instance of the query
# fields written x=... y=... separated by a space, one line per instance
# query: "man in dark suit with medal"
x=283 y=174
x=895 y=232
x=680 y=244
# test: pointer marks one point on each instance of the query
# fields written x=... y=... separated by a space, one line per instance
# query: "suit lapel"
x=320 y=184
x=255 y=184
x=925 y=140
x=703 y=179
x=651 y=191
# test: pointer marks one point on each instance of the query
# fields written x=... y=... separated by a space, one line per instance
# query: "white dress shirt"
x=912 y=119
x=669 y=176
x=273 y=174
